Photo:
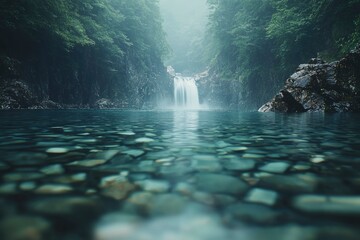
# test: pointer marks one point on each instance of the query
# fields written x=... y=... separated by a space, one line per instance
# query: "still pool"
x=178 y=175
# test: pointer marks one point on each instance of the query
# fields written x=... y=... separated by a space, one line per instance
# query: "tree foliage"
x=259 y=42
x=88 y=39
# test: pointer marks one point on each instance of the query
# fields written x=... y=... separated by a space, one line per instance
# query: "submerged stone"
x=127 y=133
x=216 y=183
x=167 y=204
x=336 y=205
x=239 y=164
x=297 y=183
x=27 y=186
x=251 y=213
x=22 y=176
x=317 y=159
x=263 y=196
x=57 y=150
x=139 y=202
x=4 y=166
x=73 y=178
x=156 y=186
x=134 y=152
x=74 y=208
x=206 y=166
x=54 y=189
x=275 y=167
x=118 y=190
x=8 y=188
x=27 y=159
x=106 y=155
x=53 y=169
x=25 y=228
x=117 y=187
x=253 y=156
x=144 y=140
x=88 y=163
x=184 y=188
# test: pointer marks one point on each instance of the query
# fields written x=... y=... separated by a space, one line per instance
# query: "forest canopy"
x=258 y=43
x=93 y=41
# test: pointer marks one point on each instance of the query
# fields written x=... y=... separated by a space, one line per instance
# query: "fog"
x=185 y=23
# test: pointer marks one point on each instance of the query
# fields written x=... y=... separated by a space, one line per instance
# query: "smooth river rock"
x=217 y=183
x=336 y=205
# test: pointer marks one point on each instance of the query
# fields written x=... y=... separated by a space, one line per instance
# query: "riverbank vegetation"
x=253 y=45
x=76 y=52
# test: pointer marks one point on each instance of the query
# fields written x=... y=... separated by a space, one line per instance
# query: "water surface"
x=197 y=175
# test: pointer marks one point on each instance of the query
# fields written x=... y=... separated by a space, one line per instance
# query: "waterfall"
x=186 y=92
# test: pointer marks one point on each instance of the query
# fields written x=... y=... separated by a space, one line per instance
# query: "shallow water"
x=196 y=175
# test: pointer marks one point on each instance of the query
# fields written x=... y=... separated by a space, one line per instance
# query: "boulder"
x=321 y=87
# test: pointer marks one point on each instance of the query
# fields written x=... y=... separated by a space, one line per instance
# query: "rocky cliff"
x=321 y=87
x=44 y=85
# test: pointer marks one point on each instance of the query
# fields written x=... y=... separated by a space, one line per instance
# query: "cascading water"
x=186 y=93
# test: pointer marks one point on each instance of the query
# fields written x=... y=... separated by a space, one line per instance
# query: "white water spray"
x=186 y=93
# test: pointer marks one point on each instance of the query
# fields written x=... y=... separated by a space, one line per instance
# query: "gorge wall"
x=320 y=86
x=91 y=53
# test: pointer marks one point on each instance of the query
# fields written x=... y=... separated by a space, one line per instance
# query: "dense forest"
x=254 y=45
x=81 y=52
x=106 y=53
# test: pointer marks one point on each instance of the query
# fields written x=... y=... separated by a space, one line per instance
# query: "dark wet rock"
x=320 y=86
x=248 y=212
x=67 y=157
x=216 y=183
x=16 y=94
x=48 y=104
x=291 y=183
x=25 y=228
x=104 y=103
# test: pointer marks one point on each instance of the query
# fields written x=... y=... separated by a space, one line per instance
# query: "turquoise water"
x=197 y=175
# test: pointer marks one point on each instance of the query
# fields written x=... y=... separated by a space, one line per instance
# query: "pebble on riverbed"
x=217 y=183
x=263 y=196
x=335 y=205
x=25 y=228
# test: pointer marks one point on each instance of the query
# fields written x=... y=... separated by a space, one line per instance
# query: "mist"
x=185 y=23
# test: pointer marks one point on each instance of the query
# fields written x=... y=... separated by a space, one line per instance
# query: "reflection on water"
x=185 y=128
x=195 y=175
